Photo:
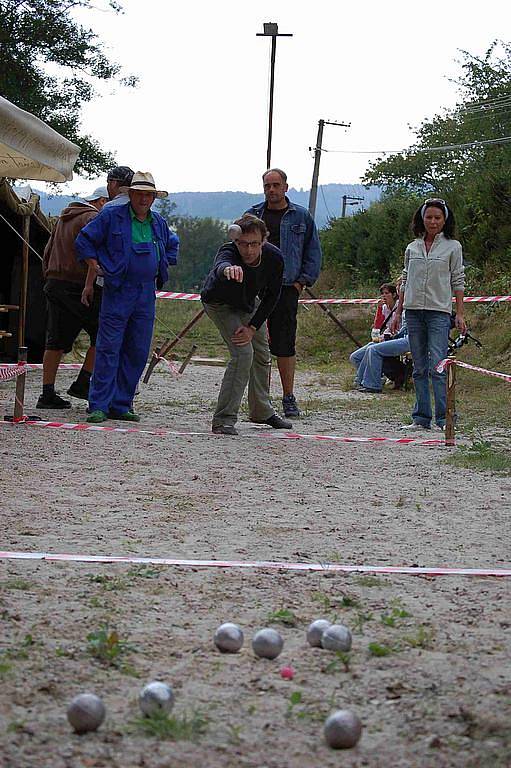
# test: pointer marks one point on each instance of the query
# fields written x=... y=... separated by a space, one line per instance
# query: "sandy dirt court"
x=428 y=673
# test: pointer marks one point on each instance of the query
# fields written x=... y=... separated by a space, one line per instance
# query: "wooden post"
x=450 y=413
x=188 y=358
x=170 y=344
x=25 y=231
x=334 y=318
x=19 y=397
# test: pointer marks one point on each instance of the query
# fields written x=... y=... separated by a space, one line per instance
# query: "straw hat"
x=144 y=182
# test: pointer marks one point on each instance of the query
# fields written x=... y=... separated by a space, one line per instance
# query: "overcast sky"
x=198 y=118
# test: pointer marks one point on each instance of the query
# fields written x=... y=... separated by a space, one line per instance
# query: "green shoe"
x=128 y=416
x=97 y=417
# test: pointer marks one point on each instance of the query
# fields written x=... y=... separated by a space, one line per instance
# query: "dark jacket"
x=108 y=240
x=59 y=258
x=264 y=281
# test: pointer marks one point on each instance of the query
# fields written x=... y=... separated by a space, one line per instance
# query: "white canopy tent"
x=30 y=149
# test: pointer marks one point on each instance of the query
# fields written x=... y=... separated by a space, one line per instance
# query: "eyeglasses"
x=249 y=244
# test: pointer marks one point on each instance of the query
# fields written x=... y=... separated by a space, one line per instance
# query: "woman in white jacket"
x=433 y=272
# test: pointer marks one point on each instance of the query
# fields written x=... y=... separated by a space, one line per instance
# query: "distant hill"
x=227 y=206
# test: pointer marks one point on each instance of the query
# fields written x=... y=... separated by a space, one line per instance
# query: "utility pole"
x=270 y=29
x=317 y=157
x=349 y=200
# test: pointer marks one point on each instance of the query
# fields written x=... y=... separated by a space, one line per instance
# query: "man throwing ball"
x=239 y=293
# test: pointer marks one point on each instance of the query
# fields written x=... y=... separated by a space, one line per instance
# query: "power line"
x=324 y=201
x=488 y=103
x=415 y=150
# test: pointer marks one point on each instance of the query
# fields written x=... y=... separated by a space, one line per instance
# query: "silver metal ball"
x=228 y=638
x=156 y=697
x=85 y=712
x=267 y=643
x=337 y=637
x=234 y=231
x=315 y=631
x=342 y=729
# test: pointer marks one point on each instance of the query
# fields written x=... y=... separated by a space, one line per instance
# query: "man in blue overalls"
x=133 y=246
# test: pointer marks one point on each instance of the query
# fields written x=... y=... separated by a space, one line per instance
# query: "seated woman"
x=386 y=306
x=373 y=364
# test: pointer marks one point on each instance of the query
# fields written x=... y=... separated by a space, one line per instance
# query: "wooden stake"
x=168 y=345
x=19 y=397
x=188 y=358
x=450 y=414
x=334 y=318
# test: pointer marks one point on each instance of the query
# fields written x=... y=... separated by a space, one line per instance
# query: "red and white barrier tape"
x=442 y=365
x=268 y=565
x=11 y=371
x=277 y=434
x=37 y=367
x=170 y=365
x=196 y=297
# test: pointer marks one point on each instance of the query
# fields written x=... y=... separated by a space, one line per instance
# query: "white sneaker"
x=438 y=428
x=414 y=427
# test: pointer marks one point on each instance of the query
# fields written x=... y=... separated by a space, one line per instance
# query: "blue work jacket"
x=299 y=244
x=109 y=242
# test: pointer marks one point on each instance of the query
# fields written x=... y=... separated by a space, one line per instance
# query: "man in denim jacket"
x=292 y=229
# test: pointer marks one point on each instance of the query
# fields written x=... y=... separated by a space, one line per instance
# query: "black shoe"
x=369 y=390
x=78 y=390
x=54 y=402
x=276 y=422
x=224 y=429
x=290 y=407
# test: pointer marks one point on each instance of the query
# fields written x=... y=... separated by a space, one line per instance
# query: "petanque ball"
x=337 y=637
x=228 y=638
x=156 y=697
x=86 y=712
x=234 y=231
x=267 y=643
x=315 y=631
x=342 y=729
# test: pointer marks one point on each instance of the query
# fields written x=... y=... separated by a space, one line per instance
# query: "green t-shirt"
x=141 y=231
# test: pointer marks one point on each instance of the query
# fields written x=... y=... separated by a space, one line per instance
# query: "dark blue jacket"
x=109 y=242
x=299 y=244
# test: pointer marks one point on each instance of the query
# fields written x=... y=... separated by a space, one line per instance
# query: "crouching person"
x=239 y=293
x=133 y=246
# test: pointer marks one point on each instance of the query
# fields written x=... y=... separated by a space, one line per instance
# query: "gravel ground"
x=428 y=673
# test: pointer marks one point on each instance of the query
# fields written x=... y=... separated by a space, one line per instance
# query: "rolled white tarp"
x=30 y=149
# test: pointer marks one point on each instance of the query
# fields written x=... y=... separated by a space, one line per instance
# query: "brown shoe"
x=224 y=429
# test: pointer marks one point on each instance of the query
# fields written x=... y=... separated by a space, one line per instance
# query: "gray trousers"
x=249 y=363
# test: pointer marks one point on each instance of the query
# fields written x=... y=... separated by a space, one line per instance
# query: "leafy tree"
x=199 y=240
x=367 y=248
x=483 y=113
x=474 y=179
x=48 y=64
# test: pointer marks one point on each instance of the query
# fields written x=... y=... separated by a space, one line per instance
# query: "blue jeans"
x=356 y=358
x=428 y=332
x=370 y=369
x=368 y=360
